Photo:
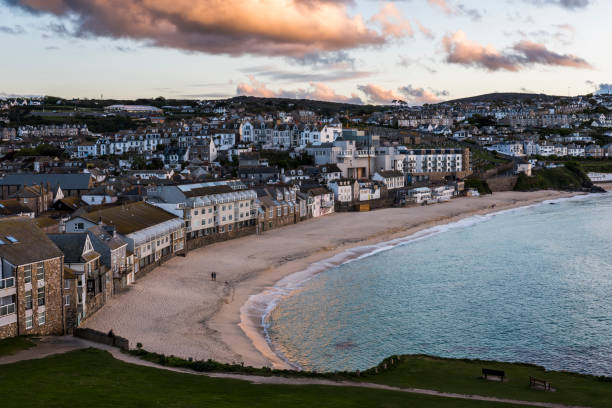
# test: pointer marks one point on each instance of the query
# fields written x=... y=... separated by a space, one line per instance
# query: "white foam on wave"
x=256 y=310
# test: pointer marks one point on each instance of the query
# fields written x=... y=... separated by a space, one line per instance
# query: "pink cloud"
x=424 y=30
x=392 y=22
x=235 y=27
x=378 y=94
x=442 y=5
x=317 y=91
x=460 y=50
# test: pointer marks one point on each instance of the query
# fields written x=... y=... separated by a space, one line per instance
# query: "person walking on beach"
x=213 y=276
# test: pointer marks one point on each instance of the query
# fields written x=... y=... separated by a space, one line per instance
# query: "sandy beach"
x=177 y=310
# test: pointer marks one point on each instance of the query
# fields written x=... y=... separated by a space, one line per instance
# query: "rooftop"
x=130 y=218
x=18 y=236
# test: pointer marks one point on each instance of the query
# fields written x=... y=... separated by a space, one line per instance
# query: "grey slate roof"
x=72 y=245
x=28 y=236
x=76 y=181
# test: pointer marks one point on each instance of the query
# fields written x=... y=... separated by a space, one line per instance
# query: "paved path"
x=48 y=346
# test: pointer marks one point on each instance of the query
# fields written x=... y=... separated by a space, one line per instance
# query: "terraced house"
x=215 y=209
x=31 y=290
x=87 y=284
x=152 y=234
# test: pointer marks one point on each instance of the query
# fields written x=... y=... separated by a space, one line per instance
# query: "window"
x=41 y=296
x=29 y=322
x=27 y=273
x=229 y=227
x=40 y=271
x=203 y=221
x=279 y=211
x=7 y=305
x=79 y=226
x=223 y=208
x=221 y=229
x=28 y=300
x=41 y=318
x=224 y=218
x=195 y=212
x=66 y=283
x=67 y=300
x=271 y=212
x=229 y=207
x=230 y=217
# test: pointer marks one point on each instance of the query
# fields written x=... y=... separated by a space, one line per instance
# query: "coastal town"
x=305 y=203
x=86 y=214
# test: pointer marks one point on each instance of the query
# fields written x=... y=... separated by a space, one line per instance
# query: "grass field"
x=463 y=376
x=13 y=345
x=93 y=378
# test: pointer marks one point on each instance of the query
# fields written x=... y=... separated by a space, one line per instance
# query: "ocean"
x=533 y=285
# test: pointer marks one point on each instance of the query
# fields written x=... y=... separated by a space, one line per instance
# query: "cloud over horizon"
x=460 y=50
x=293 y=28
x=317 y=91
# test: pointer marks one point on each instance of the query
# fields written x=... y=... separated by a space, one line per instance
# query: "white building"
x=419 y=195
x=509 y=149
x=434 y=160
x=216 y=207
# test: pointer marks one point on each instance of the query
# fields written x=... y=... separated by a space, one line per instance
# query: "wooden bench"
x=536 y=383
x=486 y=372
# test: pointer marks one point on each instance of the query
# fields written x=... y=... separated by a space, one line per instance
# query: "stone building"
x=31 y=281
x=93 y=281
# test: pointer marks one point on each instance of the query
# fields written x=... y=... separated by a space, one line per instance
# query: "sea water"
x=531 y=285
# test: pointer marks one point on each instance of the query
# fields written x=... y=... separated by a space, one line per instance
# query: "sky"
x=358 y=51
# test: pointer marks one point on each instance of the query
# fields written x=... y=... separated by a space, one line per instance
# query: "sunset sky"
x=361 y=51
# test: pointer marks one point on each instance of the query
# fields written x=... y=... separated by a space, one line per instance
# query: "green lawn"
x=93 y=378
x=463 y=376
x=13 y=345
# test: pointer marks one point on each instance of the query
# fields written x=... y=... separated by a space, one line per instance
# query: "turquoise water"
x=531 y=285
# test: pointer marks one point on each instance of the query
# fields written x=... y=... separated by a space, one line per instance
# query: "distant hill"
x=257 y=104
x=505 y=97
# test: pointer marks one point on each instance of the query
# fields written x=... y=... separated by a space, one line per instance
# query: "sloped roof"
x=28 y=236
x=204 y=191
x=45 y=221
x=98 y=233
x=70 y=181
x=130 y=217
x=72 y=245
x=13 y=207
x=390 y=173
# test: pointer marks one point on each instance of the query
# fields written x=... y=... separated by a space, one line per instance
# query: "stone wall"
x=497 y=184
x=103 y=338
x=199 y=242
x=94 y=303
x=54 y=302
x=10 y=330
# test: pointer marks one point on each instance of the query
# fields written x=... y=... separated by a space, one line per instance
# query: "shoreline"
x=177 y=310
x=258 y=307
